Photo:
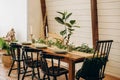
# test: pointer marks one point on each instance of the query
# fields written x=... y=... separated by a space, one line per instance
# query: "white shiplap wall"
x=81 y=13
x=109 y=28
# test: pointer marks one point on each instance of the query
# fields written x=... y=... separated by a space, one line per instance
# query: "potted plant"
x=69 y=25
x=6 y=57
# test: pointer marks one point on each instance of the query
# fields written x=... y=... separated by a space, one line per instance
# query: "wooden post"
x=44 y=16
x=94 y=17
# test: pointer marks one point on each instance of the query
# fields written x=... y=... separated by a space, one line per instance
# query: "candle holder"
x=31 y=36
x=32 y=39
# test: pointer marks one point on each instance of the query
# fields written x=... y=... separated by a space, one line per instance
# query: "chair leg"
x=44 y=77
x=38 y=73
x=23 y=65
x=77 y=78
x=66 y=76
x=24 y=72
x=54 y=78
x=48 y=78
x=33 y=73
x=11 y=68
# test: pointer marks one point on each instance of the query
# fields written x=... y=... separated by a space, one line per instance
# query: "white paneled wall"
x=13 y=14
x=34 y=18
x=109 y=28
x=80 y=12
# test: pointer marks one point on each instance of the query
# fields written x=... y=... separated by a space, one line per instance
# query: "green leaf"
x=60 y=13
x=63 y=32
x=63 y=15
x=68 y=16
x=1 y=43
x=67 y=24
x=65 y=37
x=72 y=21
x=71 y=29
x=59 y=20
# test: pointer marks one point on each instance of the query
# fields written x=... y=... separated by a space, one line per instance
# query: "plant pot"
x=6 y=60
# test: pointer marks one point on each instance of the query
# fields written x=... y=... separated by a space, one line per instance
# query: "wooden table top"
x=74 y=55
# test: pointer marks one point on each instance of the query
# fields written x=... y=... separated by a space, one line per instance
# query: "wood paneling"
x=109 y=28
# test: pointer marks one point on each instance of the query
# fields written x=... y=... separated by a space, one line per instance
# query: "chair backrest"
x=93 y=68
x=102 y=48
x=101 y=52
x=53 y=60
x=15 y=50
x=31 y=56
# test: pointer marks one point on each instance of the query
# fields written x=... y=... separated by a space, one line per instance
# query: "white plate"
x=60 y=51
x=40 y=46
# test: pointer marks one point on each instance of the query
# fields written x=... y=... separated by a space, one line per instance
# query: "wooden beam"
x=94 y=18
x=44 y=15
x=43 y=8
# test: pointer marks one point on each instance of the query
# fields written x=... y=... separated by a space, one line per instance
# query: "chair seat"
x=91 y=68
x=33 y=64
x=56 y=69
x=16 y=59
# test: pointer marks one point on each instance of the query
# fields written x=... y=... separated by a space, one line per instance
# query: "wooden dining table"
x=70 y=57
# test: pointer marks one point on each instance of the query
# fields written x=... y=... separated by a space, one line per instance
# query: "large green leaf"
x=63 y=32
x=67 y=24
x=59 y=20
x=72 y=21
x=68 y=16
x=63 y=15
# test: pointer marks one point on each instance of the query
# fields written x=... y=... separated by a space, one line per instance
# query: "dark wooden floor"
x=4 y=73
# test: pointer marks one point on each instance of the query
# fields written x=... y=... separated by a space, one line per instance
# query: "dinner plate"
x=60 y=51
x=41 y=46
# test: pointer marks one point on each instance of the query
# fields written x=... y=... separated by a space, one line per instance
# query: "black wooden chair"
x=16 y=53
x=93 y=68
x=32 y=61
x=54 y=69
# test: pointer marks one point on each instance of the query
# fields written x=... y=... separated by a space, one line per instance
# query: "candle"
x=31 y=29
x=46 y=28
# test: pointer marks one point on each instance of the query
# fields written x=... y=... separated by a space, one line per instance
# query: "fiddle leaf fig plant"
x=69 y=24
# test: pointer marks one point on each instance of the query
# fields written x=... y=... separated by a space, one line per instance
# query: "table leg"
x=71 y=70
